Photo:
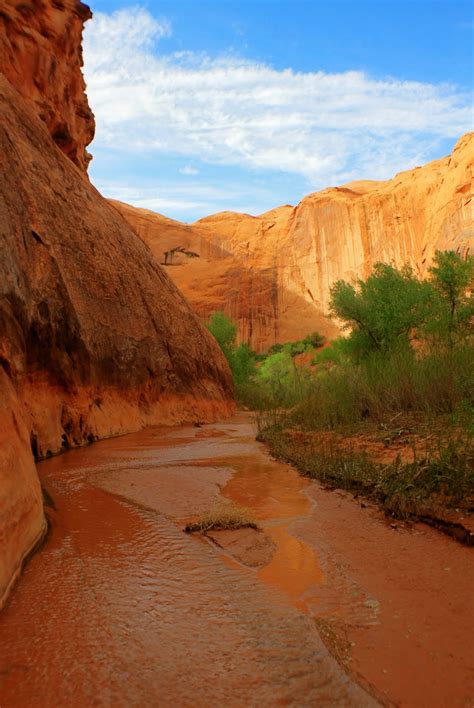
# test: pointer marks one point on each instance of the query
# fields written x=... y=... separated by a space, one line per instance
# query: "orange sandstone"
x=41 y=56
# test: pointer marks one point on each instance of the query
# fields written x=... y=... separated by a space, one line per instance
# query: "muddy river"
x=329 y=604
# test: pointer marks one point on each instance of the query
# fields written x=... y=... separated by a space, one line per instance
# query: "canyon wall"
x=41 y=56
x=95 y=339
x=230 y=273
x=272 y=273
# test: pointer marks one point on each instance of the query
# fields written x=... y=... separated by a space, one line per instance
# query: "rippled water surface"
x=121 y=608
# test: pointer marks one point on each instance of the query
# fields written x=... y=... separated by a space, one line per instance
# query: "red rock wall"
x=41 y=56
x=95 y=339
x=91 y=326
x=227 y=276
x=22 y=523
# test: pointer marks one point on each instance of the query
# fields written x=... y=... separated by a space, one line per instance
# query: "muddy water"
x=121 y=608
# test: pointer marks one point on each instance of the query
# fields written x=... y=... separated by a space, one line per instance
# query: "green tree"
x=276 y=372
x=225 y=331
x=453 y=278
x=241 y=358
x=243 y=364
x=383 y=311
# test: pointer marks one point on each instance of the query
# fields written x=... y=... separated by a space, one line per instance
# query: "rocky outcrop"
x=230 y=273
x=41 y=56
x=93 y=332
x=273 y=273
x=22 y=523
x=95 y=339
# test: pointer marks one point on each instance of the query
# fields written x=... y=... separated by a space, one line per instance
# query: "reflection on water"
x=274 y=494
x=122 y=608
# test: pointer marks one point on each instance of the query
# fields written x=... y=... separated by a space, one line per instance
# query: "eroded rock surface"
x=41 y=56
x=272 y=273
x=22 y=522
x=95 y=339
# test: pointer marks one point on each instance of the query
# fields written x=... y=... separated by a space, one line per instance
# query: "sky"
x=244 y=105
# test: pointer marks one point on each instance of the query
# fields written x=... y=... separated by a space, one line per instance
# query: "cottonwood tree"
x=383 y=311
x=453 y=310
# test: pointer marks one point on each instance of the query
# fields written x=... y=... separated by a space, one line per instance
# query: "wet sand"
x=120 y=607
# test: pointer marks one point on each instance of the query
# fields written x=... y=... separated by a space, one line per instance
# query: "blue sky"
x=205 y=106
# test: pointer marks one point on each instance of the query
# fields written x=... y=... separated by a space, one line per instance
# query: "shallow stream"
x=121 y=608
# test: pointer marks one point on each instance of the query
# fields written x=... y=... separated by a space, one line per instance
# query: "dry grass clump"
x=222 y=516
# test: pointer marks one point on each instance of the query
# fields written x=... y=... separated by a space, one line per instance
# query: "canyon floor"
x=328 y=603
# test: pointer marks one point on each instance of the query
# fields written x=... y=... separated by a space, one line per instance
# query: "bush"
x=315 y=340
x=275 y=349
x=438 y=383
x=241 y=359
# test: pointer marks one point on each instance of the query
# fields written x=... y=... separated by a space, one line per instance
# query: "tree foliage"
x=225 y=331
x=383 y=311
x=453 y=307
x=241 y=358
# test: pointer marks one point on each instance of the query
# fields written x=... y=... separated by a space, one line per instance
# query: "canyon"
x=272 y=273
x=102 y=341
x=95 y=339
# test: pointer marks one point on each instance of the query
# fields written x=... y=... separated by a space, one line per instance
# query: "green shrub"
x=383 y=311
x=315 y=340
x=241 y=359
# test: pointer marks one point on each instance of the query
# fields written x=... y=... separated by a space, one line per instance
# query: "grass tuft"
x=223 y=516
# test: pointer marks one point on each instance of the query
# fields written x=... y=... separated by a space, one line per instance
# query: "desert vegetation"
x=222 y=516
x=385 y=411
x=273 y=378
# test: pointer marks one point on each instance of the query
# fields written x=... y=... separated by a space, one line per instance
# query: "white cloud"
x=186 y=201
x=189 y=170
x=328 y=128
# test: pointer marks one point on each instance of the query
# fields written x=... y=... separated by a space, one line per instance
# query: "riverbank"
x=411 y=475
x=121 y=606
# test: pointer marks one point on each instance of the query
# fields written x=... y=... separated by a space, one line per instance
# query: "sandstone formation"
x=95 y=339
x=272 y=273
x=229 y=275
x=41 y=56
x=22 y=522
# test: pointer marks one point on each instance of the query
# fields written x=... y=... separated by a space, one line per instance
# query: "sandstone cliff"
x=41 y=56
x=231 y=273
x=272 y=273
x=22 y=523
x=95 y=340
